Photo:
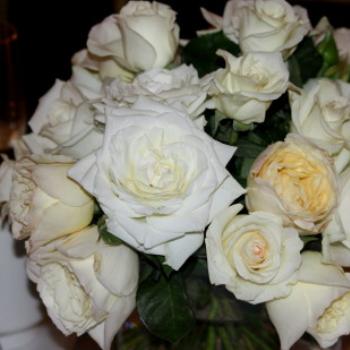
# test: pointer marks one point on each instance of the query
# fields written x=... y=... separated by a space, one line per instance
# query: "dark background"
x=50 y=32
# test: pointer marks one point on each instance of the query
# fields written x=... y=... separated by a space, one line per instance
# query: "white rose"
x=159 y=178
x=254 y=256
x=87 y=82
x=85 y=284
x=6 y=174
x=179 y=87
x=143 y=36
x=245 y=88
x=44 y=203
x=321 y=113
x=63 y=122
x=336 y=236
x=296 y=180
x=99 y=68
x=262 y=25
x=318 y=304
x=342 y=40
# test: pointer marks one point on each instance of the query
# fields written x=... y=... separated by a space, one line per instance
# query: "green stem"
x=251 y=336
x=211 y=338
x=227 y=344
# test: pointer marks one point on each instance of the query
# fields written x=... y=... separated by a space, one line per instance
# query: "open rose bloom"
x=159 y=178
x=169 y=180
x=295 y=180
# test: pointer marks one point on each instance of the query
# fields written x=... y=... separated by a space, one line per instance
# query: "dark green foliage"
x=163 y=307
x=201 y=52
x=305 y=63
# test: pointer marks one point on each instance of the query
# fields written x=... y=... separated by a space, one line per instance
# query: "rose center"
x=254 y=250
x=62 y=292
x=334 y=314
x=302 y=184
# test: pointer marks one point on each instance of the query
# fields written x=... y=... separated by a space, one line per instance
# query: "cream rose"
x=179 y=87
x=336 y=236
x=64 y=122
x=254 y=256
x=44 y=203
x=143 y=36
x=245 y=88
x=159 y=179
x=318 y=304
x=85 y=284
x=296 y=180
x=99 y=68
x=6 y=174
x=321 y=113
x=262 y=25
x=342 y=39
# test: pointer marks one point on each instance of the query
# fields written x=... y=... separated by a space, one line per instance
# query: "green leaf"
x=328 y=50
x=201 y=52
x=305 y=63
x=277 y=122
x=248 y=149
x=294 y=71
x=225 y=132
x=158 y=263
x=164 y=309
x=106 y=236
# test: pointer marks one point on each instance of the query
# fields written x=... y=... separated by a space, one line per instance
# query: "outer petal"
x=219 y=270
x=104 y=333
x=59 y=220
x=298 y=312
x=6 y=172
x=290 y=315
x=179 y=250
x=39 y=119
x=53 y=180
x=229 y=190
x=121 y=263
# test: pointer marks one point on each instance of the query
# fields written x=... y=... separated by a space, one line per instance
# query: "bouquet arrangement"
x=191 y=179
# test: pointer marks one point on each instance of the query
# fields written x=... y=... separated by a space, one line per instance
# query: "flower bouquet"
x=204 y=183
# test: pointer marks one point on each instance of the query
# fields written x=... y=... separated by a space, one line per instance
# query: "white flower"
x=342 y=39
x=87 y=82
x=321 y=113
x=179 y=87
x=254 y=256
x=159 y=178
x=245 y=88
x=296 y=180
x=85 y=284
x=63 y=122
x=143 y=36
x=336 y=236
x=6 y=174
x=262 y=25
x=318 y=304
x=44 y=203
x=99 y=68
